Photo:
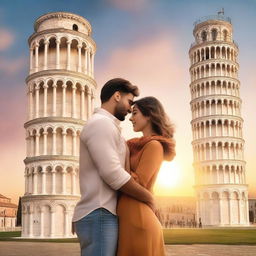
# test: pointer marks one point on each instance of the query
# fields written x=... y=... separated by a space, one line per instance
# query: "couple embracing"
x=116 y=212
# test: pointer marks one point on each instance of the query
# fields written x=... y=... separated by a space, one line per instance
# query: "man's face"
x=124 y=106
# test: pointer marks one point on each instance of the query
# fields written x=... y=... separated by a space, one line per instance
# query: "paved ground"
x=72 y=249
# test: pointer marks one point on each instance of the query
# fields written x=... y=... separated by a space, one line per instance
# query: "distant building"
x=8 y=213
x=252 y=210
x=177 y=211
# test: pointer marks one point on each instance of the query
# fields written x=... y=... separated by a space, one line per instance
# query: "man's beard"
x=120 y=112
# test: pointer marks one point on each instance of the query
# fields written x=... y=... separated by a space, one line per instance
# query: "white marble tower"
x=218 y=145
x=60 y=92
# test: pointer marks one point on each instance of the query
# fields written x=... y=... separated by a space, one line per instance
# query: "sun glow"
x=168 y=176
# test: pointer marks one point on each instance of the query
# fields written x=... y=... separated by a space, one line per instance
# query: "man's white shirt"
x=102 y=162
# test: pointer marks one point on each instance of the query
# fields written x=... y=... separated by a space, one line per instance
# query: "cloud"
x=131 y=5
x=13 y=113
x=12 y=66
x=6 y=39
x=151 y=62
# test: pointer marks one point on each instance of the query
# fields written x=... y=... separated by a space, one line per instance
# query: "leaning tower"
x=218 y=145
x=60 y=91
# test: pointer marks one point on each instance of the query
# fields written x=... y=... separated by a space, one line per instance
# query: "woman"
x=140 y=232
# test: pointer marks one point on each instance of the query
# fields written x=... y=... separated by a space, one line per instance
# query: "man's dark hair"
x=117 y=84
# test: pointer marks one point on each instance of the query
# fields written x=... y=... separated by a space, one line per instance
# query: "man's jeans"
x=97 y=233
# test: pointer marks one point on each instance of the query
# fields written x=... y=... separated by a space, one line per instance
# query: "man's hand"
x=152 y=205
x=135 y=190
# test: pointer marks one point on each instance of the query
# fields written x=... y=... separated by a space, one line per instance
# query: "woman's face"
x=139 y=121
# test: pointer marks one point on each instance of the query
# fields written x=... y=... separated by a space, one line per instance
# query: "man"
x=102 y=159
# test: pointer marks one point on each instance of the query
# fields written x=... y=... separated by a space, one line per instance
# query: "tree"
x=18 y=221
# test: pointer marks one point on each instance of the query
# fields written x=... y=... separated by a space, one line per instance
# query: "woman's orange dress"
x=140 y=232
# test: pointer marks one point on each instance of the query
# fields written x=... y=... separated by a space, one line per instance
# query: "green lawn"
x=11 y=236
x=173 y=236
x=210 y=236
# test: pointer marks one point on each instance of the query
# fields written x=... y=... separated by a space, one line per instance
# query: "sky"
x=144 y=41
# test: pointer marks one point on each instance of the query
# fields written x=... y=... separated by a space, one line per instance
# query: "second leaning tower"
x=218 y=145
x=60 y=91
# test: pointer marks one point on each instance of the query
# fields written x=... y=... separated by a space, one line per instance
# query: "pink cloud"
x=12 y=66
x=131 y=5
x=151 y=63
x=6 y=39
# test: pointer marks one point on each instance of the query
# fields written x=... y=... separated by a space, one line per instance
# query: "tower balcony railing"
x=219 y=41
x=212 y=17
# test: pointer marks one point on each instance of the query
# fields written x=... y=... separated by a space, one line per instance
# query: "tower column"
x=28 y=146
x=64 y=134
x=46 y=46
x=53 y=182
x=30 y=104
x=74 y=144
x=73 y=177
x=217 y=175
x=67 y=224
x=68 y=54
x=88 y=62
x=57 y=53
x=54 y=142
x=43 y=180
x=41 y=223
x=31 y=60
x=228 y=150
x=37 y=101
x=230 y=210
x=74 y=101
x=45 y=133
x=64 y=86
x=247 y=211
x=45 y=99
x=37 y=144
x=32 y=146
x=239 y=211
x=79 y=47
x=64 y=183
x=92 y=63
x=30 y=230
x=88 y=104
x=52 y=229
x=210 y=152
x=220 y=211
x=35 y=182
x=54 y=88
x=26 y=182
x=36 y=57
x=82 y=104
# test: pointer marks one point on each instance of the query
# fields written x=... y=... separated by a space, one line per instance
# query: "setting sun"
x=169 y=175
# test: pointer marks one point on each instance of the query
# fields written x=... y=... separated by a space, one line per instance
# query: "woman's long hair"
x=152 y=108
